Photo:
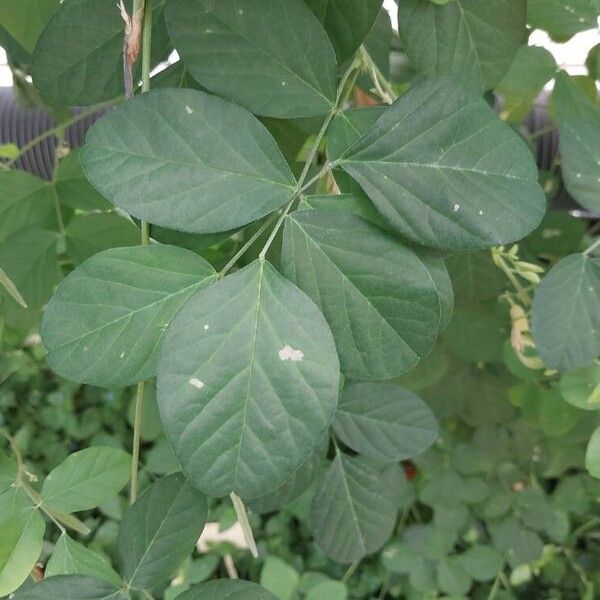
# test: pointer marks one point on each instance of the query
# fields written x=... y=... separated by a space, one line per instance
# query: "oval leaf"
x=72 y=587
x=256 y=53
x=384 y=422
x=247 y=382
x=446 y=172
x=354 y=509
x=105 y=322
x=377 y=296
x=566 y=314
x=188 y=161
x=224 y=589
x=86 y=478
x=160 y=530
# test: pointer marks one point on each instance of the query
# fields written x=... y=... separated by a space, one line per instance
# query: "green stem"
x=591 y=248
x=146 y=46
x=382 y=85
x=591 y=524
x=300 y=186
x=135 y=454
x=240 y=511
x=351 y=570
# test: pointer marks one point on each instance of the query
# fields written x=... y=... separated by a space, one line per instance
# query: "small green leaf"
x=384 y=422
x=87 y=235
x=332 y=590
x=454 y=39
x=354 y=509
x=363 y=280
x=519 y=545
x=453 y=176
x=86 y=478
x=227 y=589
x=581 y=388
x=592 y=455
x=22 y=536
x=71 y=558
x=188 y=161
x=562 y=19
x=160 y=530
x=452 y=578
x=279 y=578
x=9 y=151
x=11 y=288
x=105 y=322
x=72 y=587
x=8 y=471
x=347 y=22
x=249 y=346
x=566 y=314
x=267 y=67
x=482 y=563
x=578 y=120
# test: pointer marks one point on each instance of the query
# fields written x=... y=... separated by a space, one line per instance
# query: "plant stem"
x=591 y=248
x=135 y=453
x=351 y=570
x=240 y=511
x=591 y=524
x=342 y=94
x=146 y=46
x=382 y=85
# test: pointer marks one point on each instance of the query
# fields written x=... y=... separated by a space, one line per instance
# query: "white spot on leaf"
x=206 y=327
x=456 y=207
x=122 y=355
x=288 y=353
x=196 y=383
x=188 y=110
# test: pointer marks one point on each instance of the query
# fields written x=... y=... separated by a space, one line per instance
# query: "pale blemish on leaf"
x=196 y=383
x=206 y=327
x=189 y=110
x=288 y=353
x=456 y=207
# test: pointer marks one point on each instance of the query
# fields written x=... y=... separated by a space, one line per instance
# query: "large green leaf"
x=188 y=161
x=105 y=322
x=160 y=530
x=270 y=56
x=377 y=296
x=22 y=536
x=592 y=455
x=247 y=382
x=86 y=478
x=384 y=422
x=78 y=59
x=566 y=314
x=562 y=19
x=446 y=172
x=29 y=260
x=347 y=22
x=227 y=589
x=72 y=587
x=581 y=388
x=24 y=20
x=87 y=235
x=578 y=121
x=72 y=558
x=25 y=202
x=354 y=509
x=469 y=40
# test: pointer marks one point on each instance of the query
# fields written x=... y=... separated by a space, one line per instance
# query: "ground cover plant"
x=306 y=277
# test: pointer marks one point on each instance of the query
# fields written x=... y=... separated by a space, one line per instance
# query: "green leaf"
x=8 y=471
x=11 y=288
x=87 y=235
x=347 y=22
x=252 y=345
x=24 y=20
x=354 y=509
x=482 y=563
x=227 y=589
x=73 y=188
x=332 y=590
x=475 y=278
x=279 y=578
x=531 y=69
x=22 y=536
x=384 y=422
x=256 y=53
x=71 y=558
x=562 y=19
x=453 y=175
x=72 y=587
x=86 y=478
x=160 y=530
x=188 y=161
x=28 y=259
x=452 y=578
x=578 y=121
x=520 y=545
x=581 y=388
x=106 y=320
x=455 y=39
x=592 y=455
x=364 y=281
x=9 y=151
x=79 y=56
x=566 y=314
x=25 y=202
